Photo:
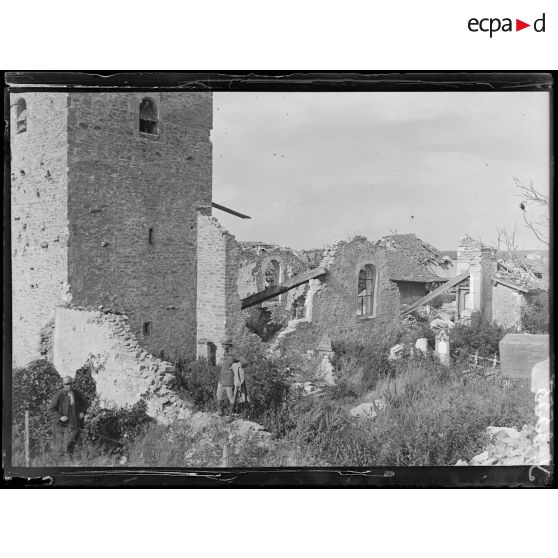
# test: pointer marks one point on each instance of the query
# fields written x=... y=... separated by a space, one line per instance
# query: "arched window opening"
x=149 y=116
x=272 y=274
x=366 y=304
x=21 y=116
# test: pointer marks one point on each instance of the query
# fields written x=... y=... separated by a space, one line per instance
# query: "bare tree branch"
x=507 y=247
x=530 y=196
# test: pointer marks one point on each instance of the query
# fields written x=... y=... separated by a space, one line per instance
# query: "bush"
x=358 y=368
x=480 y=336
x=122 y=424
x=85 y=384
x=199 y=378
x=269 y=381
x=535 y=314
x=33 y=388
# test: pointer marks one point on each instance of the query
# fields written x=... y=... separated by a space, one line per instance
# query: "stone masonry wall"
x=124 y=373
x=472 y=254
x=218 y=304
x=251 y=276
x=334 y=305
x=122 y=183
x=211 y=269
x=506 y=306
x=39 y=225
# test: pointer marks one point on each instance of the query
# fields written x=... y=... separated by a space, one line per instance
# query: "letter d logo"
x=539 y=24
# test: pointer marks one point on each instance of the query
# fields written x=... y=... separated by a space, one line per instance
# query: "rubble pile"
x=507 y=446
x=151 y=379
x=531 y=445
x=527 y=273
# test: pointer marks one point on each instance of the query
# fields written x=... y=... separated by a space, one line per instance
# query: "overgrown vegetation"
x=33 y=388
x=431 y=415
x=535 y=314
x=358 y=368
x=199 y=379
x=481 y=336
x=269 y=381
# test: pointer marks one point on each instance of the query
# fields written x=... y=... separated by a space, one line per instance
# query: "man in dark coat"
x=67 y=410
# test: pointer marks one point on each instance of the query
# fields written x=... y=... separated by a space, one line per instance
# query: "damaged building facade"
x=111 y=202
x=118 y=261
x=353 y=290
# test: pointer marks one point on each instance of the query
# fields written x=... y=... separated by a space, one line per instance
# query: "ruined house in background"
x=497 y=288
x=352 y=290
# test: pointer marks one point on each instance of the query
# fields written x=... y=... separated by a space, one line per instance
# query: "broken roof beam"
x=231 y=211
x=436 y=292
x=511 y=285
x=276 y=290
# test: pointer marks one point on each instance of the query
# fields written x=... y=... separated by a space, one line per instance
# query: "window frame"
x=367 y=304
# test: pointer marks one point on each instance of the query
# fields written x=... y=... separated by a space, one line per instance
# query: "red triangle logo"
x=519 y=25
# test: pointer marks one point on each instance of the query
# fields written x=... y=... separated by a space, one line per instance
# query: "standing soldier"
x=240 y=391
x=67 y=410
x=225 y=385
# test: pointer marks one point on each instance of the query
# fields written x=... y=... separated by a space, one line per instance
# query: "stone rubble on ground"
x=530 y=445
x=507 y=446
x=368 y=410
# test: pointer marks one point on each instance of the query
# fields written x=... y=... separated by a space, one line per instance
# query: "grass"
x=433 y=416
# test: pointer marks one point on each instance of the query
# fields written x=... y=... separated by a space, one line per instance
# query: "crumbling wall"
x=506 y=306
x=252 y=262
x=39 y=225
x=124 y=373
x=218 y=303
x=332 y=302
x=132 y=201
x=480 y=260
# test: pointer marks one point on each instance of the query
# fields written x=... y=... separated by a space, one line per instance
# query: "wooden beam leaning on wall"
x=276 y=290
x=436 y=292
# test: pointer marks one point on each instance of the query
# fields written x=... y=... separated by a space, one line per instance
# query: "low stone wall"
x=124 y=373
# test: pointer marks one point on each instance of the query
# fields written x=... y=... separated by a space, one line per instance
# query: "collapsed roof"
x=411 y=259
x=524 y=274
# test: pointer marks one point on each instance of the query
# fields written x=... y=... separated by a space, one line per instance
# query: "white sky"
x=310 y=168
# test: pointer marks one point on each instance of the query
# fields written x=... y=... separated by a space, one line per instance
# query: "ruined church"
x=118 y=260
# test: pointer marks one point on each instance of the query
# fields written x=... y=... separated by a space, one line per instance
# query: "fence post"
x=476 y=358
x=27 y=453
x=494 y=361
